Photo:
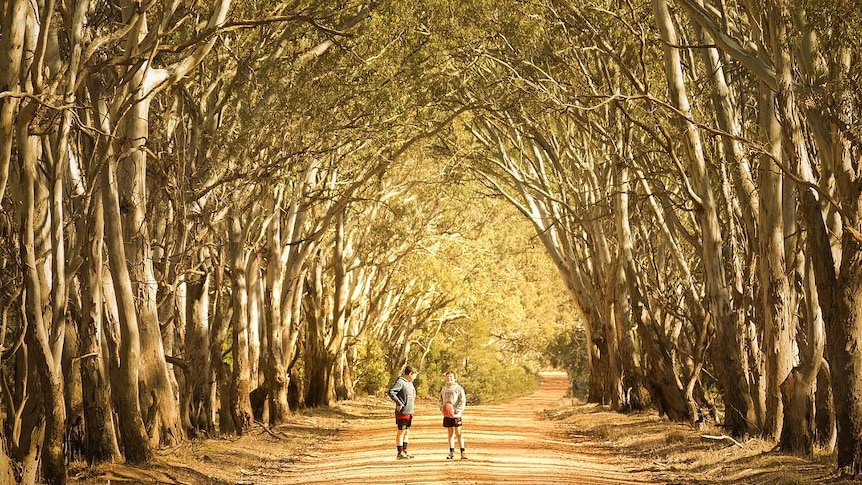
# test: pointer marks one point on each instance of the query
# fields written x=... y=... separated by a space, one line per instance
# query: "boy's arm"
x=461 y=401
x=393 y=393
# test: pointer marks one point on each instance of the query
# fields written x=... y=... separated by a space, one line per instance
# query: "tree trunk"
x=153 y=368
x=630 y=303
x=843 y=329
x=200 y=375
x=240 y=389
x=47 y=366
x=730 y=357
x=318 y=362
x=255 y=317
x=824 y=414
x=775 y=287
x=133 y=434
x=100 y=435
x=799 y=390
x=13 y=28
x=276 y=378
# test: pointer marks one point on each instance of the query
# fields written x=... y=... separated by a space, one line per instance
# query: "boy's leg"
x=405 y=441
x=460 y=436
x=451 y=438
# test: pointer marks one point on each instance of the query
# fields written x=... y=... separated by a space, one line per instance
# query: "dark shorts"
x=403 y=420
x=451 y=422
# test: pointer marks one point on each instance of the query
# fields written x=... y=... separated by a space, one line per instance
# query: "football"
x=448 y=410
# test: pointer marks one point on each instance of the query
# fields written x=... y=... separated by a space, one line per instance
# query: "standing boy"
x=404 y=394
x=452 y=393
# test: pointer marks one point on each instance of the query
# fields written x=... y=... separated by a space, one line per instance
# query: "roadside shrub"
x=484 y=377
x=567 y=351
x=371 y=375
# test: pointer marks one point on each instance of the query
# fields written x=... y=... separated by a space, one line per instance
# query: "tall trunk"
x=38 y=337
x=73 y=439
x=255 y=305
x=629 y=304
x=12 y=27
x=844 y=328
x=276 y=377
x=160 y=400
x=134 y=438
x=318 y=361
x=198 y=380
x=798 y=390
x=728 y=351
x=240 y=390
x=100 y=435
x=775 y=287
x=220 y=376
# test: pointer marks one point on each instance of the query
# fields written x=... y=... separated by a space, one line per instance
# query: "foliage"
x=485 y=378
x=566 y=351
x=370 y=369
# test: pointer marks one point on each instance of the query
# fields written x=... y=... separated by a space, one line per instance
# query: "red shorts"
x=403 y=420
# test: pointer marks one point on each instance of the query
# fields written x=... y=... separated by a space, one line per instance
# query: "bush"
x=370 y=369
x=484 y=378
x=567 y=351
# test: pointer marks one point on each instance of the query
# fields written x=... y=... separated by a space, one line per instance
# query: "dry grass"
x=679 y=453
x=234 y=460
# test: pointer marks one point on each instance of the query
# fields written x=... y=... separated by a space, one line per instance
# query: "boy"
x=403 y=393
x=453 y=393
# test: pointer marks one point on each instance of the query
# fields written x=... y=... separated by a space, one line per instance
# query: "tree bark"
x=200 y=375
x=100 y=434
x=134 y=438
x=47 y=364
x=728 y=351
x=240 y=389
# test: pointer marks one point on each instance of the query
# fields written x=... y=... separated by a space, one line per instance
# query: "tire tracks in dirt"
x=509 y=444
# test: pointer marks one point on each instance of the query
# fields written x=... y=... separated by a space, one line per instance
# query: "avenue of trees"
x=213 y=212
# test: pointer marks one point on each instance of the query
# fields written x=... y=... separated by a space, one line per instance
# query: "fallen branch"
x=265 y=428
x=721 y=438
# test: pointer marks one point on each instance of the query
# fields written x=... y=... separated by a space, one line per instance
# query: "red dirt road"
x=506 y=444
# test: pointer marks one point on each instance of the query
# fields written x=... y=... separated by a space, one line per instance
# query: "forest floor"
x=545 y=438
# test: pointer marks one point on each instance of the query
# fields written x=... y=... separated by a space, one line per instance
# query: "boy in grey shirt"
x=403 y=393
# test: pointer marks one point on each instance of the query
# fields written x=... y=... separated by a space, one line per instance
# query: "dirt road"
x=506 y=444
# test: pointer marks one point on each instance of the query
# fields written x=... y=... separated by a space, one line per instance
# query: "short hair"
x=450 y=371
x=408 y=370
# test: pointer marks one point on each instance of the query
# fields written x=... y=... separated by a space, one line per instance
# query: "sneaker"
x=463 y=456
x=403 y=456
x=450 y=456
x=408 y=455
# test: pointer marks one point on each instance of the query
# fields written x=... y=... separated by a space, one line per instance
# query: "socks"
x=400 y=448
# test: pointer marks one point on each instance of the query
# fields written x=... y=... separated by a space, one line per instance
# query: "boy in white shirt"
x=452 y=393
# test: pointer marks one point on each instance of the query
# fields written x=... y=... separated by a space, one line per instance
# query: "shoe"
x=408 y=455
x=450 y=456
x=403 y=456
x=463 y=456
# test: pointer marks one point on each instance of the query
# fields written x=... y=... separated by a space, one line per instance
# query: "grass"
x=679 y=453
